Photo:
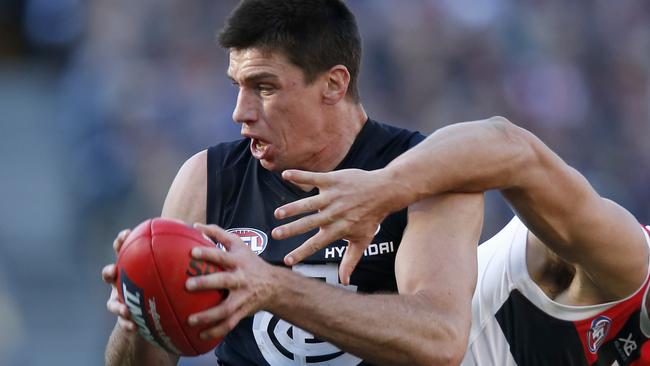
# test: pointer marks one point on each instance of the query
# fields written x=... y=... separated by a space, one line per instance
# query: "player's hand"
x=350 y=205
x=246 y=277
x=109 y=275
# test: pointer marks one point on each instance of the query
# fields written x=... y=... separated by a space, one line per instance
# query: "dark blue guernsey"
x=242 y=197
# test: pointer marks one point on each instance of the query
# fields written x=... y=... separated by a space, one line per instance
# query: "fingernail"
x=288 y=260
x=280 y=214
x=196 y=251
x=193 y=320
x=277 y=232
x=190 y=284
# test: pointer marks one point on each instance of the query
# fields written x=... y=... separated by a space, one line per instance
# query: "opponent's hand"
x=109 y=275
x=247 y=278
x=350 y=205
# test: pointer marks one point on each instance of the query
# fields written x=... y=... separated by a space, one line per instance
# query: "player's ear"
x=337 y=81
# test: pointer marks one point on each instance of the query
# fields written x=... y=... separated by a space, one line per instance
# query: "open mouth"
x=259 y=148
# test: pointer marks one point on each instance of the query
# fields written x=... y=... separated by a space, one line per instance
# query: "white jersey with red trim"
x=515 y=323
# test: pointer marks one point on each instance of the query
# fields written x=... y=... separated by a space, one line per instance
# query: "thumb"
x=351 y=258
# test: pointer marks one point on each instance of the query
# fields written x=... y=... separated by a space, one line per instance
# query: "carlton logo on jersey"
x=255 y=239
x=282 y=343
x=598 y=332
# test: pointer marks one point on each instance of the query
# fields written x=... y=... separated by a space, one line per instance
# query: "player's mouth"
x=259 y=148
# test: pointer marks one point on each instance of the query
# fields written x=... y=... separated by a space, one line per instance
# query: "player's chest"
x=375 y=271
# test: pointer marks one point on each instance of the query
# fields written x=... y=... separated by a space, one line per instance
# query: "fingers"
x=214 y=255
x=309 y=204
x=217 y=313
x=220 y=235
x=119 y=240
x=215 y=281
x=301 y=226
x=114 y=306
x=351 y=258
x=224 y=316
x=126 y=324
x=109 y=273
x=311 y=246
x=225 y=326
x=304 y=177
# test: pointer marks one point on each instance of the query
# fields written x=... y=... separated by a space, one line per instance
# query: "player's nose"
x=246 y=109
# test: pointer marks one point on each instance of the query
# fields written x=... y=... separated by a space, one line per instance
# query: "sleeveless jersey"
x=242 y=197
x=515 y=323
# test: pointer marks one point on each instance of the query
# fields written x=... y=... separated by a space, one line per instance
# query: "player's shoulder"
x=228 y=154
x=392 y=132
x=186 y=197
x=379 y=143
x=196 y=161
x=193 y=169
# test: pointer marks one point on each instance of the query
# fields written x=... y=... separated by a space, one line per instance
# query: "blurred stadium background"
x=101 y=101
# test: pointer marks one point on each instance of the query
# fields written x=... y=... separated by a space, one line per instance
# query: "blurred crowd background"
x=102 y=101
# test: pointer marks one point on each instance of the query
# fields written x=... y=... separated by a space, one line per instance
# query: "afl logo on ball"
x=255 y=239
x=598 y=332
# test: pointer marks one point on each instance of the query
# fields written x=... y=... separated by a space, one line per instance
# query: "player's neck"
x=348 y=122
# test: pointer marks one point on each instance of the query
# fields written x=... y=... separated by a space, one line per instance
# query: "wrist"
x=398 y=192
x=277 y=277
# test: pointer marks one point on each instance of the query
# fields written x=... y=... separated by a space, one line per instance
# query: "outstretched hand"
x=350 y=205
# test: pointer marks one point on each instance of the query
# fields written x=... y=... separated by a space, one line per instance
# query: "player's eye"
x=265 y=89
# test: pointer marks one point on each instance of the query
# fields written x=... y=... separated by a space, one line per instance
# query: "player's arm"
x=185 y=201
x=426 y=324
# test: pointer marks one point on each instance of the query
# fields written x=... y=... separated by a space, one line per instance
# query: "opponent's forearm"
x=463 y=157
x=129 y=349
x=395 y=329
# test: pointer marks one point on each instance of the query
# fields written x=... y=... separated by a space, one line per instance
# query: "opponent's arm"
x=553 y=199
x=426 y=324
x=185 y=201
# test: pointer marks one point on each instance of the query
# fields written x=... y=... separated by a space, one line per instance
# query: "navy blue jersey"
x=242 y=197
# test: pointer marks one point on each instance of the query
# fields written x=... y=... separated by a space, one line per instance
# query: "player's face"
x=281 y=114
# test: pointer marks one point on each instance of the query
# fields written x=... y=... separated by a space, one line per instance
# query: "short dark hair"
x=313 y=34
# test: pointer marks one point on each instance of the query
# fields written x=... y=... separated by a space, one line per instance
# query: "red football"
x=153 y=265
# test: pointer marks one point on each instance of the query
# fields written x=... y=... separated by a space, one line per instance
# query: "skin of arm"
x=427 y=323
x=554 y=200
x=601 y=239
x=185 y=201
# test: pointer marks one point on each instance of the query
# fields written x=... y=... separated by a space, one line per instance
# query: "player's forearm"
x=128 y=348
x=463 y=157
x=394 y=329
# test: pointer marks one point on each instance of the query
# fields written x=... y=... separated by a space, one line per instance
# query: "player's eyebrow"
x=254 y=77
